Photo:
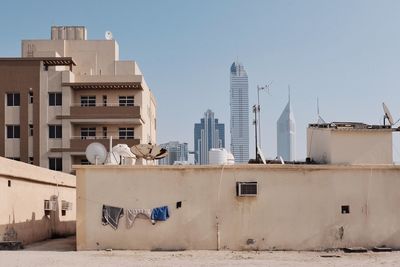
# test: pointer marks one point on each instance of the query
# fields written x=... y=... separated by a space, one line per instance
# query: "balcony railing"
x=103 y=112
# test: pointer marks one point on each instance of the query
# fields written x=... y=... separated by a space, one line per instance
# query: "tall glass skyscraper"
x=239 y=102
x=286 y=134
x=207 y=134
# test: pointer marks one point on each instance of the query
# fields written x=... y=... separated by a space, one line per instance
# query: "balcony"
x=129 y=114
x=77 y=144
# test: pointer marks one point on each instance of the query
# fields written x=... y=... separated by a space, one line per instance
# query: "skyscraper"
x=239 y=102
x=286 y=134
x=176 y=152
x=207 y=134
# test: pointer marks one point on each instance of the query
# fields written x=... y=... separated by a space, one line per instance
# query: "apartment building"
x=66 y=92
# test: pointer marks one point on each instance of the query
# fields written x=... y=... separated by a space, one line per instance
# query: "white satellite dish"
x=149 y=151
x=108 y=35
x=387 y=115
x=96 y=153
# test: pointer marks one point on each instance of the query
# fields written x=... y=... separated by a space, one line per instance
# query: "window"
x=12 y=131
x=55 y=164
x=125 y=133
x=104 y=132
x=55 y=131
x=9 y=183
x=30 y=129
x=126 y=101
x=55 y=99
x=88 y=133
x=30 y=97
x=88 y=101
x=13 y=99
x=104 y=100
x=30 y=160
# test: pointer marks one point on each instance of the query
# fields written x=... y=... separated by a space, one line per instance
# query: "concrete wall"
x=297 y=207
x=341 y=146
x=23 y=189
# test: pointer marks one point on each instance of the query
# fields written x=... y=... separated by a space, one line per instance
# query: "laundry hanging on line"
x=131 y=215
x=111 y=215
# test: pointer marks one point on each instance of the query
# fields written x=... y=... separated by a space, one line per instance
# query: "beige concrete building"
x=67 y=92
x=295 y=207
x=352 y=203
x=36 y=203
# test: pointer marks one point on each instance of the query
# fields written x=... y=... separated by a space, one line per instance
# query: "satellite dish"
x=96 y=153
x=387 y=115
x=108 y=35
x=149 y=151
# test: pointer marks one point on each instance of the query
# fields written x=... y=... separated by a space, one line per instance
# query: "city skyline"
x=209 y=133
x=344 y=52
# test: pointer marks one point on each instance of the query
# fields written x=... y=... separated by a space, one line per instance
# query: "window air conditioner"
x=246 y=189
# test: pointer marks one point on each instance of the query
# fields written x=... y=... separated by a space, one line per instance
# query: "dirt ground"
x=59 y=252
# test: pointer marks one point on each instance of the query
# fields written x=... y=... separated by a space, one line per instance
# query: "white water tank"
x=217 y=156
x=230 y=159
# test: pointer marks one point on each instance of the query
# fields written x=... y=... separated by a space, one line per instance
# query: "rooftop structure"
x=349 y=143
x=67 y=92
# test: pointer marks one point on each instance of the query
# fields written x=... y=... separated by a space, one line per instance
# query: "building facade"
x=209 y=133
x=239 y=102
x=67 y=92
x=286 y=134
x=177 y=152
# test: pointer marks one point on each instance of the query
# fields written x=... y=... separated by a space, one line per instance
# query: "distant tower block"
x=239 y=102
x=286 y=134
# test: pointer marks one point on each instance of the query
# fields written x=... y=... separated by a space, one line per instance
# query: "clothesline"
x=115 y=205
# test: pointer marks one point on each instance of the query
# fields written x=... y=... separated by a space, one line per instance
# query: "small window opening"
x=345 y=209
x=179 y=204
x=9 y=183
x=63 y=212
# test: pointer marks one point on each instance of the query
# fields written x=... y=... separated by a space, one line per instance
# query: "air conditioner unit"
x=65 y=205
x=50 y=205
x=246 y=189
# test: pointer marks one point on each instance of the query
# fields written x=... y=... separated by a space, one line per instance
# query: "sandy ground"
x=58 y=253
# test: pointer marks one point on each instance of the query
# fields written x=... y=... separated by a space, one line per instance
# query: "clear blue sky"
x=345 y=52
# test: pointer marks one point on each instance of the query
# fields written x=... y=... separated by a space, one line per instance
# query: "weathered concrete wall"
x=23 y=189
x=297 y=207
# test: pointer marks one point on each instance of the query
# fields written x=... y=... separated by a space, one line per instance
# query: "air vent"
x=246 y=189
x=50 y=205
x=65 y=205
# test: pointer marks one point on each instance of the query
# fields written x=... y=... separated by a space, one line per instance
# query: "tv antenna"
x=108 y=35
x=388 y=116
x=320 y=120
x=96 y=153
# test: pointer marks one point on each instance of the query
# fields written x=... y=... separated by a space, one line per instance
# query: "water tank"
x=230 y=159
x=217 y=156
x=70 y=33
x=54 y=33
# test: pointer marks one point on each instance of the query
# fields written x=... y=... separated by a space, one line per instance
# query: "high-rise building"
x=239 y=102
x=286 y=134
x=177 y=152
x=67 y=92
x=207 y=134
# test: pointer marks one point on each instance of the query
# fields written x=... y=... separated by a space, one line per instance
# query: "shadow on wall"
x=34 y=230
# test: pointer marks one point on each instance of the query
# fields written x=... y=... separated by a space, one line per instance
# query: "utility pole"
x=259 y=88
x=255 y=110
